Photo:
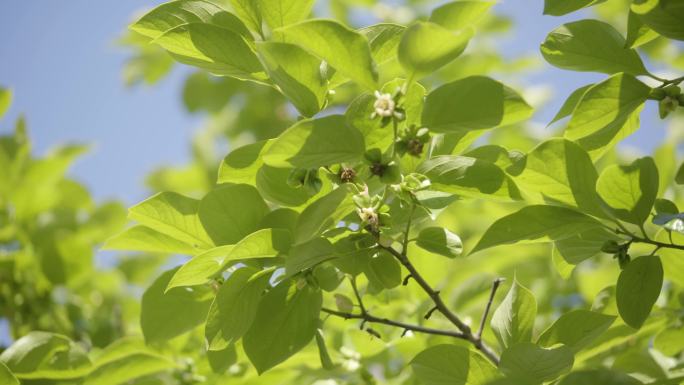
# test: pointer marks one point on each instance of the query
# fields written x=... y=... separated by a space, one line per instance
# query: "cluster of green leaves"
x=327 y=249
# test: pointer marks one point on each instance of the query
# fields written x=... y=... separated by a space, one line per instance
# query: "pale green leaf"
x=265 y=243
x=384 y=39
x=570 y=103
x=663 y=16
x=473 y=103
x=166 y=314
x=296 y=73
x=47 y=356
x=638 y=33
x=235 y=306
x=279 y=13
x=638 y=288
x=230 y=212
x=286 y=321
x=175 y=13
x=248 y=12
x=5 y=100
x=6 y=376
x=576 y=329
x=562 y=7
x=304 y=256
x=584 y=244
x=452 y=365
x=342 y=48
x=670 y=341
x=315 y=143
x=457 y=15
x=125 y=360
x=513 y=320
x=537 y=223
x=273 y=185
x=531 y=364
x=440 y=241
x=242 y=163
x=322 y=214
x=591 y=45
x=143 y=238
x=629 y=192
x=598 y=376
x=426 y=47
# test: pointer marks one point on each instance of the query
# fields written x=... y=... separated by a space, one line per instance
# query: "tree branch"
x=483 y=321
x=441 y=306
x=367 y=317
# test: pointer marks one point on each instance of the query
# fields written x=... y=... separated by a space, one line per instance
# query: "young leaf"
x=212 y=48
x=279 y=13
x=248 y=12
x=452 y=364
x=562 y=7
x=561 y=171
x=125 y=360
x=473 y=103
x=323 y=354
x=241 y=164
x=598 y=376
x=5 y=100
x=537 y=223
x=342 y=48
x=531 y=364
x=174 y=215
x=166 y=313
x=513 y=320
x=296 y=73
x=638 y=288
x=286 y=320
x=6 y=376
x=440 y=241
x=426 y=47
x=322 y=214
x=315 y=143
x=591 y=45
x=458 y=15
x=570 y=103
x=576 y=329
x=143 y=238
x=235 y=306
x=265 y=243
x=630 y=191
x=230 y=212
x=170 y=15
x=663 y=16
x=638 y=33
x=469 y=177
x=384 y=39
x=43 y=355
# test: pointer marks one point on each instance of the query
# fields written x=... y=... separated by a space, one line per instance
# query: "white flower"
x=384 y=105
x=368 y=215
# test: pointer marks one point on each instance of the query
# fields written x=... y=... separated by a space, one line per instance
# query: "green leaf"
x=142 y=238
x=426 y=47
x=537 y=223
x=584 y=244
x=629 y=192
x=570 y=103
x=285 y=322
x=473 y=103
x=679 y=177
x=440 y=241
x=384 y=39
x=342 y=48
x=160 y=318
x=176 y=13
x=562 y=7
x=241 y=164
x=663 y=16
x=559 y=170
x=6 y=376
x=212 y=48
x=47 y=356
x=272 y=184
x=174 y=215
x=235 y=306
x=383 y=271
x=638 y=33
x=296 y=73
x=5 y=100
x=591 y=45
x=452 y=365
x=322 y=214
x=513 y=320
x=457 y=15
x=307 y=255
x=323 y=354
x=531 y=364
x=576 y=329
x=638 y=288
x=316 y=142
x=125 y=360
x=279 y=13
x=265 y=243
x=598 y=376
x=598 y=119
x=231 y=212
x=670 y=341
x=248 y=12
x=469 y=177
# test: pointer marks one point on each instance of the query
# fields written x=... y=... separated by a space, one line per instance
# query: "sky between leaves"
x=65 y=68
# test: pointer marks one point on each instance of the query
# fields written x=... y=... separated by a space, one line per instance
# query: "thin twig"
x=483 y=321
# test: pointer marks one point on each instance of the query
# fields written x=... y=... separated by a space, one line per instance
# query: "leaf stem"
x=637 y=239
x=495 y=286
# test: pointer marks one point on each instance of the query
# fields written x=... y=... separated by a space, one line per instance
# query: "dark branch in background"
x=483 y=321
x=441 y=306
x=637 y=239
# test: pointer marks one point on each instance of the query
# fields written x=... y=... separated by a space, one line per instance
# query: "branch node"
x=429 y=313
x=406 y=280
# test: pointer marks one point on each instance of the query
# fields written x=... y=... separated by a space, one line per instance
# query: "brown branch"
x=483 y=321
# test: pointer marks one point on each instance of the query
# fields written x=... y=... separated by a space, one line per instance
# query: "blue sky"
x=61 y=61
